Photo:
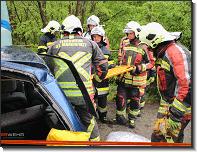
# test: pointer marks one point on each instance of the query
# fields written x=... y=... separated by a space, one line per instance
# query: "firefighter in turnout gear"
x=49 y=37
x=94 y=21
x=98 y=36
x=173 y=66
x=135 y=42
x=83 y=53
x=130 y=82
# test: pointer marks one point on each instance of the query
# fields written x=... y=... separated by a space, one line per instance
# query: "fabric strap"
x=5 y=25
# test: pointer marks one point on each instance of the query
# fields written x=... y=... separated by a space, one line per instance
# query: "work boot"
x=119 y=120
x=102 y=117
x=131 y=123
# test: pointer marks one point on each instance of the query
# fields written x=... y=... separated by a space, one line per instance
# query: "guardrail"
x=113 y=50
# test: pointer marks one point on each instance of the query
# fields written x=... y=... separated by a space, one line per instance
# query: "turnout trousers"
x=124 y=93
x=89 y=123
x=142 y=96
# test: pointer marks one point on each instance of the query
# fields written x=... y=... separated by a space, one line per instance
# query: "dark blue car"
x=32 y=101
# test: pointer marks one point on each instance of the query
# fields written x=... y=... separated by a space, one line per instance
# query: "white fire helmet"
x=132 y=26
x=93 y=20
x=99 y=31
x=72 y=24
x=51 y=27
x=153 y=33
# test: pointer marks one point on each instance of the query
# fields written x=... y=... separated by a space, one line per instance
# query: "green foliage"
x=112 y=93
x=152 y=94
x=26 y=21
x=112 y=80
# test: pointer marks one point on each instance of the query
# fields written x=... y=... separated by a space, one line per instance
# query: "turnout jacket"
x=122 y=42
x=174 y=80
x=134 y=55
x=103 y=86
x=83 y=53
x=45 y=42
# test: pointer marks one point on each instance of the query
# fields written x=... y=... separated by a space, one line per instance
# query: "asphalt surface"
x=144 y=124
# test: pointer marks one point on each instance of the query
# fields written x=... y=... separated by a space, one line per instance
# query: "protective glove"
x=135 y=70
x=173 y=124
x=111 y=66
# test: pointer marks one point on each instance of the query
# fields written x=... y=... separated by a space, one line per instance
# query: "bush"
x=152 y=94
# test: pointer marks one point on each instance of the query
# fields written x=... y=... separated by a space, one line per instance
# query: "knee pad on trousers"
x=120 y=103
x=134 y=103
x=102 y=101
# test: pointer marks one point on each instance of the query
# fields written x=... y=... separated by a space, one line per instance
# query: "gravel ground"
x=144 y=124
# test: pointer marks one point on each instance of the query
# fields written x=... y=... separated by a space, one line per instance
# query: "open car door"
x=72 y=74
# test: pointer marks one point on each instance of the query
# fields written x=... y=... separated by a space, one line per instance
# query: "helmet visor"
x=127 y=31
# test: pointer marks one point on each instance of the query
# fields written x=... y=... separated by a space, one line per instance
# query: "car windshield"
x=19 y=53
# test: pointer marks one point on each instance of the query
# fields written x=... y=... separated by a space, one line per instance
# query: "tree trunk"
x=83 y=12
x=93 y=7
x=16 y=35
x=78 y=6
x=42 y=13
x=16 y=11
x=70 y=8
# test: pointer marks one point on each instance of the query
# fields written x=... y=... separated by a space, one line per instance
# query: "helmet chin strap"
x=132 y=40
x=156 y=49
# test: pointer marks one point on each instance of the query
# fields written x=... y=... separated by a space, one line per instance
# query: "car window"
x=24 y=111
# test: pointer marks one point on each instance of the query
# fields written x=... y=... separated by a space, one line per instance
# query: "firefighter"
x=130 y=82
x=94 y=21
x=98 y=36
x=83 y=53
x=173 y=66
x=135 y=42
x=49 y=36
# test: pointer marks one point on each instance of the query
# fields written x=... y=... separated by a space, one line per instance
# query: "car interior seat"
x=11 y=98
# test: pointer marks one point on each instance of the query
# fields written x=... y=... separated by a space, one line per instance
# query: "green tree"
x=29 y=17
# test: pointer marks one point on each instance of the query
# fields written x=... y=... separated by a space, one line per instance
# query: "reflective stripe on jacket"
x=103 y=86
x=45 y=42
x=174 y=77
x=134 y=55
x=83 y=53
x=123 y=41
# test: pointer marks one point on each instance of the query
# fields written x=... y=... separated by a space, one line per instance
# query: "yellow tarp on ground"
x=65 y=135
